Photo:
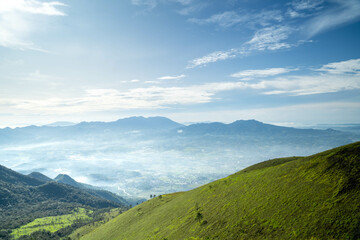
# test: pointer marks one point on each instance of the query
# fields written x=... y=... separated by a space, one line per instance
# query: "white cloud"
x=273 y=34
x=338 y=76
x=270 y=38
x=172 y=77
x=335 y=77
x=349 y=66
x=112 y=99
x=131 y=81
x=345 y=11
x=301 y=5
x=213 y=57
x=191 y=8
x=152 y=82
x=225 y=19
x=15 y=27
x=154 y=97
x=32 y=6
x=304 y=8
x=250 y=74
x=231 y=18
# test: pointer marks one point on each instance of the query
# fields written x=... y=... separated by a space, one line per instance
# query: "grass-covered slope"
x=316 y=197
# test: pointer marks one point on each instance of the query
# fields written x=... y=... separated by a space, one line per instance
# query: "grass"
x=106 y=217
x=315 y=197
x=52 y=224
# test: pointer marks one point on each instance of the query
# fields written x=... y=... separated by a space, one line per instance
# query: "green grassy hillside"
x=53 y=223
x=316 y=197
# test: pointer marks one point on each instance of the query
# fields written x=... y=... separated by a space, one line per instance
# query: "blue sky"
x=286 y=62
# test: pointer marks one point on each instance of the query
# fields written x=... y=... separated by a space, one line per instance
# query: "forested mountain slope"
x=24 y=198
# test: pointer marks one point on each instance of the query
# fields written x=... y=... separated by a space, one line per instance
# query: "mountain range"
x=139 y=156
x=159 y=124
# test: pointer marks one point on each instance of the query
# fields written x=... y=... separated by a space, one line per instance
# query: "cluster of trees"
x=154 y=196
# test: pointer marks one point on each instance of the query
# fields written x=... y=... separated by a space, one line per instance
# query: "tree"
x=199 y=216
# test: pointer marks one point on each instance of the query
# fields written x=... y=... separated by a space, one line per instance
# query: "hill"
x=95 y=191
x=315 y=197
x=66 y=179
x=24 y=198
x=40 y=176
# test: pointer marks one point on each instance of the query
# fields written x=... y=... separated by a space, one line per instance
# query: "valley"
x=137 y=156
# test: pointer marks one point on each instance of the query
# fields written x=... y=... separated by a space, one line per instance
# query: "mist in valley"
x=139 y=162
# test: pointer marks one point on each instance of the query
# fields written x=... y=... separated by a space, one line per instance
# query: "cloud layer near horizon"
x=332 y=77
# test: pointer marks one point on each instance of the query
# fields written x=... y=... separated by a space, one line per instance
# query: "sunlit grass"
x=52 y=224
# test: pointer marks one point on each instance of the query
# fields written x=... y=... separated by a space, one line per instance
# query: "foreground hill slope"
x=316 y=197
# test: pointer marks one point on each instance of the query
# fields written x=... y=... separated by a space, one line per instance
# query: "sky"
x=285 y=62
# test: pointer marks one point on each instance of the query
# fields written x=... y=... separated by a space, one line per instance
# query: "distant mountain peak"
x=64 y=176
x=40 y=176
x=60 y=124
x=66 y=179
x=250 y=121
x=150 y=123
x=133 y=123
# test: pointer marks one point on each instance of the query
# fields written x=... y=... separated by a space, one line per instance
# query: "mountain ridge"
x=95 y=191
x=247 y=127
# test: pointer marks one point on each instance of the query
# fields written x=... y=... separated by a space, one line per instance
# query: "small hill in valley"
x=66 y=179
x=315 y=197
x=95 y=191
x=40 y=176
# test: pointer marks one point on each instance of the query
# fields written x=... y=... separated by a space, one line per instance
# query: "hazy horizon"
x=184 y=122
